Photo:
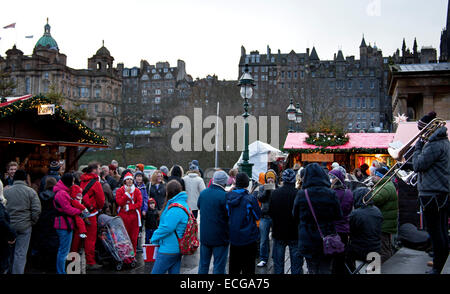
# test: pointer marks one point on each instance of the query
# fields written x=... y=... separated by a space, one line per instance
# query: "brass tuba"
x=398 y=154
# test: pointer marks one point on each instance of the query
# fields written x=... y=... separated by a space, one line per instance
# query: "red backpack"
x=189 y=243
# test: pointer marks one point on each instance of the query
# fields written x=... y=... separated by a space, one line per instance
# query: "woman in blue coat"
x=172 y=220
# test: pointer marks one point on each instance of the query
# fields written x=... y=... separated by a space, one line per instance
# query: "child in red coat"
x=75 y=201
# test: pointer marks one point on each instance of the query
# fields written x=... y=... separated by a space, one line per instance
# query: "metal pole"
x=217 y=137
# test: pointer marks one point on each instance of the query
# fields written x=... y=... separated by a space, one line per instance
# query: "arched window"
x=99 y=66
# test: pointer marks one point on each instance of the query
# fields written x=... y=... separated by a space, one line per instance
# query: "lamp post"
x=291 y=115
x=246 y=83
x=298 y=116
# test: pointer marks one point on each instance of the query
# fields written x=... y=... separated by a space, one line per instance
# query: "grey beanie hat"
x=288 y=176
x=164 y=169
x=220 y=178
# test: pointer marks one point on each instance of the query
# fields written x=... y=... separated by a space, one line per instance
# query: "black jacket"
x=151 y=219
x=284 y=225
x=432 y=162
x=365 y=226
x=44 y=236
x=159 y=194
x=7 y=233
x=326 y=206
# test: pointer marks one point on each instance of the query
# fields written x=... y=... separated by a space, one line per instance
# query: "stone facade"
x=96 y=89
x=349 y=90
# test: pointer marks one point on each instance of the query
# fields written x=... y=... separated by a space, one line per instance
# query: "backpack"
x=189 y=242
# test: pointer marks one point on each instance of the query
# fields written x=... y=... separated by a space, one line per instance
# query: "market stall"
x=359 y=149
x=34 y=131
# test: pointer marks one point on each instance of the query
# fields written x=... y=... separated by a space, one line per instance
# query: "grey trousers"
x=386 y=247
x=20 y=251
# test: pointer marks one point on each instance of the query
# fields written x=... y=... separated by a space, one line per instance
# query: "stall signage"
x=317 y=157
x=46 y=109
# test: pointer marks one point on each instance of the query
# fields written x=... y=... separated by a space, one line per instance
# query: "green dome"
x=47 y=40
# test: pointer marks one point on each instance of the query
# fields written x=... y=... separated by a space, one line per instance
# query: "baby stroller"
x=115 y=245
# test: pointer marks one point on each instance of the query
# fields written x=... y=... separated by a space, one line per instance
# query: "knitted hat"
x=54 y=165
x=288 y=176
x=193 y=167
x=195 y=162
x=262 y=178
x=242 y=180
x=220 y=178
x=112 y=167
x=151 y=200
x=140 y=167
x=271 y=174
x=380 y=172
x=335 y=165
x=139 y=173
x=426 y=119
x=127 y=176
x=164 y=169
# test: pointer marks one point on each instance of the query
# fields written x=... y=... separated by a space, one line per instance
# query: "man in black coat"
x=365 y=228
x=431 y=160
x=284 y=225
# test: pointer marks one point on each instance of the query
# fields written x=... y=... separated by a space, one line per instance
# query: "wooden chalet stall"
x=360 y=148
x=34 y=132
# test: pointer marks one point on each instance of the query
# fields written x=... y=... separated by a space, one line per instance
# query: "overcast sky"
x=208 y=34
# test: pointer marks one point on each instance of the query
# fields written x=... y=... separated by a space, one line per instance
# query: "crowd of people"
x=328 y=218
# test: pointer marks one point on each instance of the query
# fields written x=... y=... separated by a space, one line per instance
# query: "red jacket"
x=94 y=198
x=134 y=203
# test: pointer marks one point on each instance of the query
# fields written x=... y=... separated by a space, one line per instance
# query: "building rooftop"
x=421 y=67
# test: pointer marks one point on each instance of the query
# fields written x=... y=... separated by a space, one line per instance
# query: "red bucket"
x=149 y=252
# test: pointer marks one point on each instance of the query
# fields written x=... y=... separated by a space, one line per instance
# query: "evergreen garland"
x=325 y=140
x=32 y=103
x=349 y=150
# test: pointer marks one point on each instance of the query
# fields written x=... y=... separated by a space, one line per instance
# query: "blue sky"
x=208 y=34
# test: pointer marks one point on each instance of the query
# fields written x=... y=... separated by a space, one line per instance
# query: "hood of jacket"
x=182 y=196
x=315 y=176
x=192 y=175
x=60 y=187
x=176 y=171
x=440 y=134
x=46 y=195
x=358 y=195
x=338 y=174
x=235 y=197
x=88 y=177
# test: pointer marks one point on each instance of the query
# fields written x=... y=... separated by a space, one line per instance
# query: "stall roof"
x=407 y=130
x=20 y=122
x=296 y=141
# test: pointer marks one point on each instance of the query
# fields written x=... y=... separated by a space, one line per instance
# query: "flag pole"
x=217 y=137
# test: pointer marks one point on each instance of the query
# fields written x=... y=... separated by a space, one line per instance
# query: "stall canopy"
x=358 y=143
x=407 y=130
x=20 y=122
x=260 y=154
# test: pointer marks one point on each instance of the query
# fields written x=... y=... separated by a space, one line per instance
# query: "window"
x=144 y=92
x=97 y=92
x=46 y=75
x=363 y=115
x=295 y=74
x=361 y=84
x=145 y=100
x=302 y=74
x=372 y=115
x=350 y=126
x=349 y=102
x=96 y=107
x=289 y=74
x=125 y=73
x=358 y=103
x=27 y=85
x=156 y=77
x=332 y=85
x=372 y=84
x=257 y=59
x=272 y=59
x=372 y=103
x=282 y=74
x=363 y=103
x=170 y=91
x=158 y=100
x=350 y=84
x=157 y=91
x=358 y=116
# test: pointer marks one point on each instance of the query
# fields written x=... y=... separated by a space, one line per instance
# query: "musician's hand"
x=419 y=144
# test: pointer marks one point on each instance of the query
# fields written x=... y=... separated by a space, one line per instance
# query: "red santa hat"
x=128 y=176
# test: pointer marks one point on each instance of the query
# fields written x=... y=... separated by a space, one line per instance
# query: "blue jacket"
x=174 y=219
x=144 y=194
x=214 y=229
x=243 y=212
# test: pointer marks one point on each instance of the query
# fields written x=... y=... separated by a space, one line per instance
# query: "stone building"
x=96 y=89
x=417 y=89
x=346 y=89
x=148 y=91
x=427 y=54
x=445 y=39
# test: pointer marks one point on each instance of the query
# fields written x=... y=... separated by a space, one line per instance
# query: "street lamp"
x=298 y=116
x=291 y=115
x=246 y=83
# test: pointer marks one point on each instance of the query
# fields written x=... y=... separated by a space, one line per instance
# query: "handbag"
x=332 y=244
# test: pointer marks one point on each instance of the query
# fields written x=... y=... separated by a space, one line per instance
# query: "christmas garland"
x=349 y=150
x=325 y=140
x=89 y=136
